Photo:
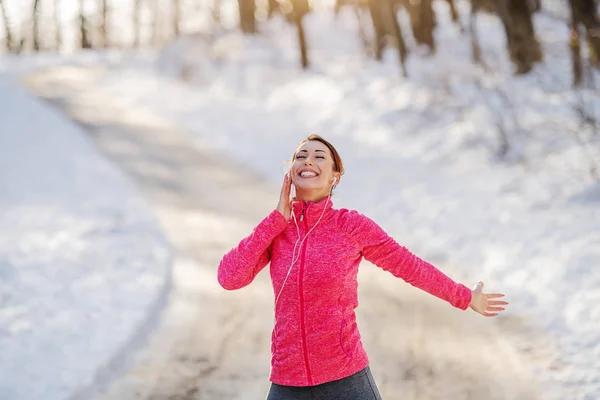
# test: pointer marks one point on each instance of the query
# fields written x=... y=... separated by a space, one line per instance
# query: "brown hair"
x=338 y=166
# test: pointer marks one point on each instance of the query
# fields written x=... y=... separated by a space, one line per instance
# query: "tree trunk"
x=83 y=27
x=302 y=42
x=177 y=17
x=137 y=10
x=300 y=9
x=104 y=24
x=272 y=8
x=453 y=11
x=378 y=26
x=585 y=12
x=422 y=21
x=247 y=8
x=389 y=12
x=57 y=24
x=36 y=25
x=536 y=5
x=6 y=21
x=475 y=48
x=362 y=34
x=575 y=45
x=523 y=47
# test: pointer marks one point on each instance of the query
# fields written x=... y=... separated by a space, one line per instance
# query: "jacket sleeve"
x=240 y=265
x=380 y=249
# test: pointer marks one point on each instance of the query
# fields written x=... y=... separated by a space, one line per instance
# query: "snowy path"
x=214 y=344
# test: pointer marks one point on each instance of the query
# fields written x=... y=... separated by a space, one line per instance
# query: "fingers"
x=490 y=308
x=490 y=314
x=286 y=187
x=497 y=303
x=493 y=295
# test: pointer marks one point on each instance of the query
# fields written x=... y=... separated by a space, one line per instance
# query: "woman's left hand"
x=483 y=303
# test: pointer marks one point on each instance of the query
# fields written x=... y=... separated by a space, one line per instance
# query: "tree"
x=385 y=22
x=176 y=17
x=6 y=22
x=585 y=12
x=575 y=45
x=272 y=7
x=422 y=21
x=104 y=23
x=536 y=5
x=523 y=47
x=299 y=10
x=83 y=27
x=247 y=9
x=216 y=11
x=390 y=15
x=57 y=24
x=475 y=48
x=453 y=11
x=36 y=25
x=378 y=26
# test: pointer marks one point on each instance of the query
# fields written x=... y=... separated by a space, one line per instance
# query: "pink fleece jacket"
x=315 y=338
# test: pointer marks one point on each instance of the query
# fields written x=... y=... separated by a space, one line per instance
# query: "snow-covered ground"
x=84 y=267
x=422 y=155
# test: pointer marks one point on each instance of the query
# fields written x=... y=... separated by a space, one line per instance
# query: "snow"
x=84 y=267
x=424 y=155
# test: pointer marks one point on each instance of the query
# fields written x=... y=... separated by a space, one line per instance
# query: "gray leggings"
x=359 y=386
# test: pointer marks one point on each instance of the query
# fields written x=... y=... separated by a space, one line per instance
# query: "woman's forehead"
x=313 y=145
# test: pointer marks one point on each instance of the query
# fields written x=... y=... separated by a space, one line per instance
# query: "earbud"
x=335 y=180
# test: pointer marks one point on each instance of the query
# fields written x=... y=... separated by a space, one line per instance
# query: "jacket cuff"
x=274 y=223
x=463 y=297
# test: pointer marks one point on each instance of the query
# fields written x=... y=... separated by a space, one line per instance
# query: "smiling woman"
x=315 y=252
x=316 y=169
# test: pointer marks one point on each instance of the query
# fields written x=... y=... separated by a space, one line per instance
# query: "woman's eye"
x=299 y=157
x=321 y=157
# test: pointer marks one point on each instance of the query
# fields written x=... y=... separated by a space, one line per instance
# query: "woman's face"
x=312 y=168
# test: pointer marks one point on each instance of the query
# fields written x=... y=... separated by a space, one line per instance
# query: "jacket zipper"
x=302 y=317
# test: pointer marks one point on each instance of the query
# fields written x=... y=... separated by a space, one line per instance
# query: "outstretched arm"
x=382 y=250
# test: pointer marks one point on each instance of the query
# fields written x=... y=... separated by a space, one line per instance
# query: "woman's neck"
x=314 y=197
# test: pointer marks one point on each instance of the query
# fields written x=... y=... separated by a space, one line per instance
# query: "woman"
x=315 y=251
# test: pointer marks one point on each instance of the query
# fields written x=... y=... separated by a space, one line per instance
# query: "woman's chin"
x=308 y=186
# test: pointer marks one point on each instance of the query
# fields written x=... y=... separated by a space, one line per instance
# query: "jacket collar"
x=311 y=210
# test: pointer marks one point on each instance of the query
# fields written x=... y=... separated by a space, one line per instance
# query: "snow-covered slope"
x=84 y=268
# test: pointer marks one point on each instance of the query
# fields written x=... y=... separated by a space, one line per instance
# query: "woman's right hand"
x=483 y=303
x=285 y=203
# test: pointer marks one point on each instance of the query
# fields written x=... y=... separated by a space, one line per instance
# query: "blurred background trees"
x=42 y=28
